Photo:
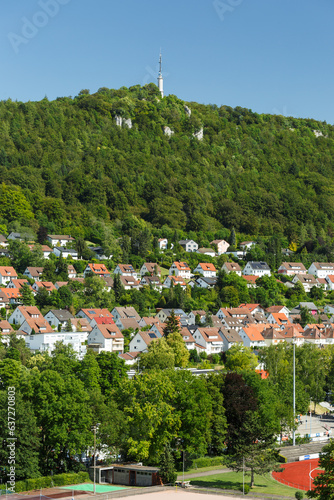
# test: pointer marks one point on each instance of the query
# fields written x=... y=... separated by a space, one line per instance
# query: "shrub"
x=246 y=489
x=48 y=481
x=299 y=495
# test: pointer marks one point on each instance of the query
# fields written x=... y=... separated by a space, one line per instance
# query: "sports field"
x=99 y=488
x=299 y=474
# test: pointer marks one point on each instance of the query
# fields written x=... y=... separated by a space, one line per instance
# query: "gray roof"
x=259 y=265
x=62 y=314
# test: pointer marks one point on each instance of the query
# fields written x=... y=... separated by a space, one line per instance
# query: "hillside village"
x=122 y=330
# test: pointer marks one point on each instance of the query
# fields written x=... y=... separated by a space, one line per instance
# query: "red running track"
x=298 y=475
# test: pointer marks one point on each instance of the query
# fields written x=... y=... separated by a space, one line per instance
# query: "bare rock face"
x=126 y=122
x=199 y=135
x=187 y=110
x=168 y=131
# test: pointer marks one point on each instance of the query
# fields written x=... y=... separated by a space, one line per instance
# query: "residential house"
x=71 y=271
x=307 y=280
x=5 y=327
x=127 y=324
x=251 y=281
x=188 y=245
x=321 y=269
x=202 y=282
x=206 y=269
x=96 y=270
x=99 y=253
x=310 y=306
x=34 y=273
x=16 y=236
x=152 y=281
x=22 y=313
x=200 y=314
x=164 y=314
x=180 y=269
x=279 y=319
x=315 y=336
x=65 y=253
x=106 y=338
x=59 y=318
x=150 y=268
x=230 y=338
x=207 y=251
x=103 y=320
x=130 y=358
x=145 y=321
x=18 y=283
x=125 y=270
x=258 y=269
x=59 y=240
x=162 y=243
x=4 y=301
x=291 y=268
x=81 y=325
x=46 y=342
x=231 y=267
x=6 y=274
x=45 y=249
x=3 y=241
x=272 y=336
x=129 y=283
x=108 y=282
x=278 y=310
x=247 y=245
x=188 y=339
x=293 y=334
x=254 y=308
x=173 y=281
x=233 y=312
x=13 y=295
x=47 y=285
x=221 y=245
x=251 y=336
x=232 y=324
x=125 y=313
x=59 y=284
x=36 y=325
x=209 y=338
x=141 y=341
x=91 y=314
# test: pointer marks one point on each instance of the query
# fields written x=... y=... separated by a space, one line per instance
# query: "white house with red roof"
x=129 y=282
x=96 y=270
x=279 y=319
x=180 y=269
x=206 y=269
x=163 y=243
x=13 y=294
x=252 y=335
x=21 y=313
x=6 y=274
x=106 y=338
x=125 y=313
x=37 y=325
x=330 y=282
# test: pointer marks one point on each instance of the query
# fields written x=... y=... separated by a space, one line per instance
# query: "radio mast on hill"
x=160 y=79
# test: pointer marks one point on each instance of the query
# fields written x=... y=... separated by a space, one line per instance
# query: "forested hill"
x=73 y=165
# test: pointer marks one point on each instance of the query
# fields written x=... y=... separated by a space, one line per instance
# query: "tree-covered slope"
x=73 y=165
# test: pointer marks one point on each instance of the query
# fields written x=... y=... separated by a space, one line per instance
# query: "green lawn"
x=201 y=469
x=233 y=481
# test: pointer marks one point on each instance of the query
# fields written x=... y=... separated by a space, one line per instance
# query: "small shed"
x=128 y=475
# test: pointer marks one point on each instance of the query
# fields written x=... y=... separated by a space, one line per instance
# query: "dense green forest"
x=68 y=167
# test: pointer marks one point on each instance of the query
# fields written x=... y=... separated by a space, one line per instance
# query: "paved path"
x=202 y=474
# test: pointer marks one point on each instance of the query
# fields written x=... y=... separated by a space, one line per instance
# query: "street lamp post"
x=94 y=463
x=294 y=394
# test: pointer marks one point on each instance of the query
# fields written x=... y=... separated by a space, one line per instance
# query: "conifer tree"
x=167 y=466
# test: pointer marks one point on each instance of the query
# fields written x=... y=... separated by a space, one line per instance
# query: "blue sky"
x=272 y=56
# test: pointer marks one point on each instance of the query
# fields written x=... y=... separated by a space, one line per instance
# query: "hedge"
x=207 y=462
x=49 y=481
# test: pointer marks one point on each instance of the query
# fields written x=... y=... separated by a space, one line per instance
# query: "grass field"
x=233 y=481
